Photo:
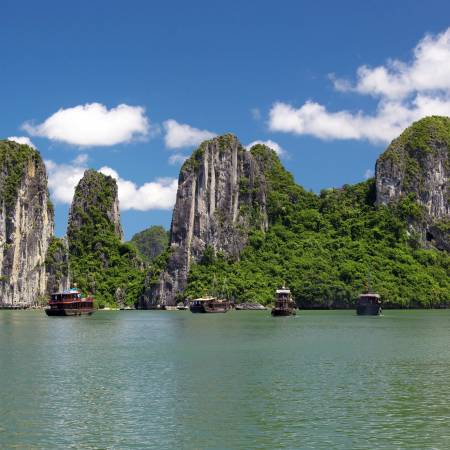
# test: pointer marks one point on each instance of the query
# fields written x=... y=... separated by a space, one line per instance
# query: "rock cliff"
x=95 y=201
x=417 y=166
x=221 y=196
x=57 y=265
x=26 y=224
x=100 y=263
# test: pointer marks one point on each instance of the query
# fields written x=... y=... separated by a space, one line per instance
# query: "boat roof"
x=283 y=291
x=203 y=299
x=67 y=291
x=369 y=295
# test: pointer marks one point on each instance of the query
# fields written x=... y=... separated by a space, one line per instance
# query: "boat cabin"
x=284 y=304
x=368 y=304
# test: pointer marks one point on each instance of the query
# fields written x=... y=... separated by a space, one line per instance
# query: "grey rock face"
x=418 y=164
x=119 y=296
x=57 y=266
x=26 y=224
x=221 y=195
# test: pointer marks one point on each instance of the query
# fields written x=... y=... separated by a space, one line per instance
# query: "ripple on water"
x=149 y=379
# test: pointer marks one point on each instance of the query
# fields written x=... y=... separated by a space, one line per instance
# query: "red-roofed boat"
x=69 y=303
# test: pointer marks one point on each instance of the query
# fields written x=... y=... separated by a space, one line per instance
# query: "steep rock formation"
x=26 y=224
x=100 y=263
x=95 y=193
x=221 y=195
x=57 y=265
x=417 y=165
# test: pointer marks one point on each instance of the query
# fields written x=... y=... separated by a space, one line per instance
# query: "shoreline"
x=386 y=308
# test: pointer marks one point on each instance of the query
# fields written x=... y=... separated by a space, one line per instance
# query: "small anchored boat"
x=69 y=303
x=209 y=305
x=284 y=304
x=368 y=304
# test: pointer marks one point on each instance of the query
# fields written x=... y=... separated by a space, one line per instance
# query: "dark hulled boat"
x=69 y=303
x=368 y=304
x=209 y=305
x=284 y=304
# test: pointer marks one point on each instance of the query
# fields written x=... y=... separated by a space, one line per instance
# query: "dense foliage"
x=151 y=242
x=99 y=262
x=14 y=159
x=327 y=247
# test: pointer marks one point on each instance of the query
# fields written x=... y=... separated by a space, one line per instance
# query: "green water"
x=148 y=379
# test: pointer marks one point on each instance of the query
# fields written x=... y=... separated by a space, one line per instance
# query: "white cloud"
x=428 y=72
x=93 y=124
x=269 y=143
x=179 y=135
x=369 y=173
x=22 y=140
x=177 y=158
x=81 y=159
x=406 y=92
x=63 y=178
x=158 y=194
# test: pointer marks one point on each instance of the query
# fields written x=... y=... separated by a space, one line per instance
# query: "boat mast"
x=368 y=278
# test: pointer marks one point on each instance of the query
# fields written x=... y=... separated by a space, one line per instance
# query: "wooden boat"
x=284 y=304
x=69 y=303
x=368 y=304
x=182 y=307
x=209 y=305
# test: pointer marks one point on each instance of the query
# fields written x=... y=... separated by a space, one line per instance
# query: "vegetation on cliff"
x=99 y=261
x=421 y=141
x=151 y=242
x=14 y=159
x=325 y=247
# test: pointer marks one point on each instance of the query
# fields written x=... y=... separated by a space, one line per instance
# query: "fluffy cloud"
x=428 y=72
x=177 y=158
x=22 y=140
x=159 y=194
x=405 y=91
x=273 y=145
x=179 y=135
x=93 y=124
x=62 y=179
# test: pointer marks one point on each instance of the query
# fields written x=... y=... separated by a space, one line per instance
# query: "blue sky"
x=280 y=71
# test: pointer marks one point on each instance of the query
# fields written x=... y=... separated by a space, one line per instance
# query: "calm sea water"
x=175 y=380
